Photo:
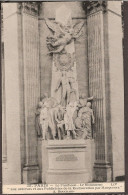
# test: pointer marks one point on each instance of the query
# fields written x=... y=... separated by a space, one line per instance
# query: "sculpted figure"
x=47 y=120
x=83 y=100
x=52 y=104
x=44 y=120
x=50 y=100
x=78 y=122
x=44 y=98
x=37 y=120
x=59 y=118
x=66 y=84
x=80 y=126
x=88 y=119
x=63 y=35
x=68 y=120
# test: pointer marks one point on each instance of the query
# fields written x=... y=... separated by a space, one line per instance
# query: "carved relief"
x=64 y=61
x=63 y=35
x=84 y=118
x=66 y=157
x=72 y=116
x=73 y=121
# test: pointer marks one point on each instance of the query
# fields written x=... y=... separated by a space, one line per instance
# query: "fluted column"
x=98 y=88
x=115 y=53
x=31 y=74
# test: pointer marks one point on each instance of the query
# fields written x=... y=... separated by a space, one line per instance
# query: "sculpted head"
x=59 y=106
x=45 y=95
x=40 y=104
x=46 y=104
x=83 y=95
x=71 y=104
x=80 y=95
x=89 y=104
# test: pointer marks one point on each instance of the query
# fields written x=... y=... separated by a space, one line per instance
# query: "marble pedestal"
x=67 y=161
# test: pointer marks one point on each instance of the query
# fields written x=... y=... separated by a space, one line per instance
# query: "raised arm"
x=57 y=50
x=90 y=98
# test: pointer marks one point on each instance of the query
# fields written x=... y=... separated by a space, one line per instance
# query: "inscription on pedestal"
x=66 y=157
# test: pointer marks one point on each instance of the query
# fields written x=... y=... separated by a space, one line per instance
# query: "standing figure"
x=51 y=120
x=88 y=119
x=44 y=120
x=68 y=119
x=80 y=126
x=37 y=120
x=59 y=118
x=67 y=88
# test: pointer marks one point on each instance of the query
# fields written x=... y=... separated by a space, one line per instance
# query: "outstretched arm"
x=58 y=50
x=90 y=99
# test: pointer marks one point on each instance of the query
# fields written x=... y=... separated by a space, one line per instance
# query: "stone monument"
x=53 y=61
x=66 y=117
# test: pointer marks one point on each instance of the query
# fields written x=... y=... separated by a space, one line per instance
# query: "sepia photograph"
x=62 y=96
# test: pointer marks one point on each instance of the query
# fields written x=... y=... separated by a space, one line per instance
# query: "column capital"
x=31 y=8
x=95 y=6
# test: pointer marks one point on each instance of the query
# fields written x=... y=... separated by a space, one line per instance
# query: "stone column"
x=99 y=89
x=31 y=87
x=22 y=89
x=106 y=85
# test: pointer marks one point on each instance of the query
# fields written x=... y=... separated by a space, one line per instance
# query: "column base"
x=102 y=172
x=31 y=174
